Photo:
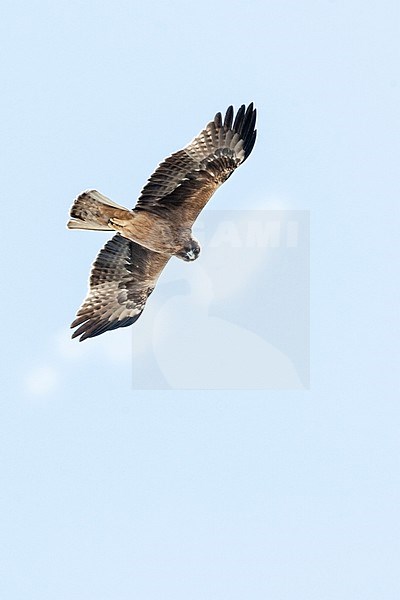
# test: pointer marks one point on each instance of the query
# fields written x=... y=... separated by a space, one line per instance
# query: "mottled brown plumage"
x=160 y=226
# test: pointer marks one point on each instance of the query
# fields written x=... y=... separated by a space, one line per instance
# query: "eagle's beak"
x=191 y=255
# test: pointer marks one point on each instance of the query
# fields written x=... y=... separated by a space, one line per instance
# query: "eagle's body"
x=160 y=226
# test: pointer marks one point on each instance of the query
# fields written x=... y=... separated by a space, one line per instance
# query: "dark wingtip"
x=228 y=117
x=238 y=118
x=244 y=125
x=76 y=334
x=93 y=329
x=248 y=147
x=218 y=120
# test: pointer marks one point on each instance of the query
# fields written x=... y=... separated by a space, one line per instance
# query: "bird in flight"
x=126 y=270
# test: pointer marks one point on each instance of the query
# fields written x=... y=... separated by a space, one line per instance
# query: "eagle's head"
x=190 y=251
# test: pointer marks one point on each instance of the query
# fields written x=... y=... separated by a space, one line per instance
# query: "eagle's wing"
x=182 y=185
x=122 y=278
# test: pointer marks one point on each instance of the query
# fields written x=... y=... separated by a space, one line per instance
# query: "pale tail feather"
x=89 y=211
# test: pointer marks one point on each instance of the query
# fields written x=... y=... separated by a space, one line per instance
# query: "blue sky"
x=109 y=491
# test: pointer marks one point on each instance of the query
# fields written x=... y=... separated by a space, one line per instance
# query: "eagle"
x=126 y=270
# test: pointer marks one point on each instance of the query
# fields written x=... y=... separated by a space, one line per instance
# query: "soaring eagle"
x=126 y=270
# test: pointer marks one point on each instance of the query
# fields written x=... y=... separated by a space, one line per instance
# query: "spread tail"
x=92 y=210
